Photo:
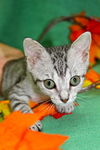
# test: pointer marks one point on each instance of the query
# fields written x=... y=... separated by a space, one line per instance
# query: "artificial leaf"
x=81 y=24
x=91 y=77
x=19 y=137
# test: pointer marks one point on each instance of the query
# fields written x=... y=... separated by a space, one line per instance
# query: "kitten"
x=56 y=72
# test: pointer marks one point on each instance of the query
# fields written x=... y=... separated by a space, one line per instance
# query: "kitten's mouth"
x=64 y=100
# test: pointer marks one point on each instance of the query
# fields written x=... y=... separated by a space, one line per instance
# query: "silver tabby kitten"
x=56 y=72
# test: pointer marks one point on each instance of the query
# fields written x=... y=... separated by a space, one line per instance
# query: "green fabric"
x=83 y=126
x=27 y=18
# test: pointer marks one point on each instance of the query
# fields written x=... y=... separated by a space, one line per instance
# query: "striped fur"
x=23 y=79
x=16 y=78
x=59 y=59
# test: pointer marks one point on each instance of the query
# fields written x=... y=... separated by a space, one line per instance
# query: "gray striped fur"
x=59 y=58
x=23 y=79
x=16 y=79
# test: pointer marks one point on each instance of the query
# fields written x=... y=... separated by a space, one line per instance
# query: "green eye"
x=49 y=84
x=74 y=81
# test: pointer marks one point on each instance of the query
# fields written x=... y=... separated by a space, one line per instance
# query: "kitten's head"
x=59 y=71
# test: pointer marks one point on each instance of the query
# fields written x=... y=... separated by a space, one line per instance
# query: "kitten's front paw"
x=65 y=108
x=36 y=127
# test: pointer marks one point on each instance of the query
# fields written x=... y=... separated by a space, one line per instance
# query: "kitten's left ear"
x=83 y=42
x=78 y=54
x=81 y=46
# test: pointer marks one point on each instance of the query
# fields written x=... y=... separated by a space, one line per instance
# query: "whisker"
x=45 y=107
x=49 y=107
x=38 y=104
x=84 y=96
x=84 y=100
x=52 y=105
x=81 y=99
x=45 y=102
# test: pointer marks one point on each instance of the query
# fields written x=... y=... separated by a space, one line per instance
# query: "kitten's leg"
x=19 y=101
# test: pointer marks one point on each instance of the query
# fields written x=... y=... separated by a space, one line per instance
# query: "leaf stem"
x=55 y=21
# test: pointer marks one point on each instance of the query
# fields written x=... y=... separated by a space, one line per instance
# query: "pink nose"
x=64 y=100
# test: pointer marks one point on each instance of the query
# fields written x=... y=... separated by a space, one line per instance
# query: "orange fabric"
x=48 y=109
x=15 y=135
x=43 y=108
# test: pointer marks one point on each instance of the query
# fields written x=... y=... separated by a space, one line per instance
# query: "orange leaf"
x=45 y=112
x=92 y=75
x=83 y=24
x=19 y=137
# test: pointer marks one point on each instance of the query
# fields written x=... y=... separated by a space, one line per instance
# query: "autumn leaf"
x=92 y=77
x=19 y=137
x=81 y=24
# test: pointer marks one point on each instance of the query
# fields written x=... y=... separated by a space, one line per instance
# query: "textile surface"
x=27 y=18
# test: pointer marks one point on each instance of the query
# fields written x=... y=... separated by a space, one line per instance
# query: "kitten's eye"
x=74 y=81
x=49 y=84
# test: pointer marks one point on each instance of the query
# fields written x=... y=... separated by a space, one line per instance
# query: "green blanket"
x=27 y=18
x=83 y=126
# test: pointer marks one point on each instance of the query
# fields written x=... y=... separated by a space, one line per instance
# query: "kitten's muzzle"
x=64 y=100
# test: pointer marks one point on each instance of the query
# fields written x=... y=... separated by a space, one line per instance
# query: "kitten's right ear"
x=31 y=47
x=36 y=55
x=34 y=51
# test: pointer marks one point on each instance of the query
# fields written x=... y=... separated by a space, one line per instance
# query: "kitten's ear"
x=83 y=42
x=34 y=51
x=32 y=48
x=36 y=55
x=79 y=51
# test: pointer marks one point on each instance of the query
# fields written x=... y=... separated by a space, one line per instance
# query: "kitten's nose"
x=64 y=100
